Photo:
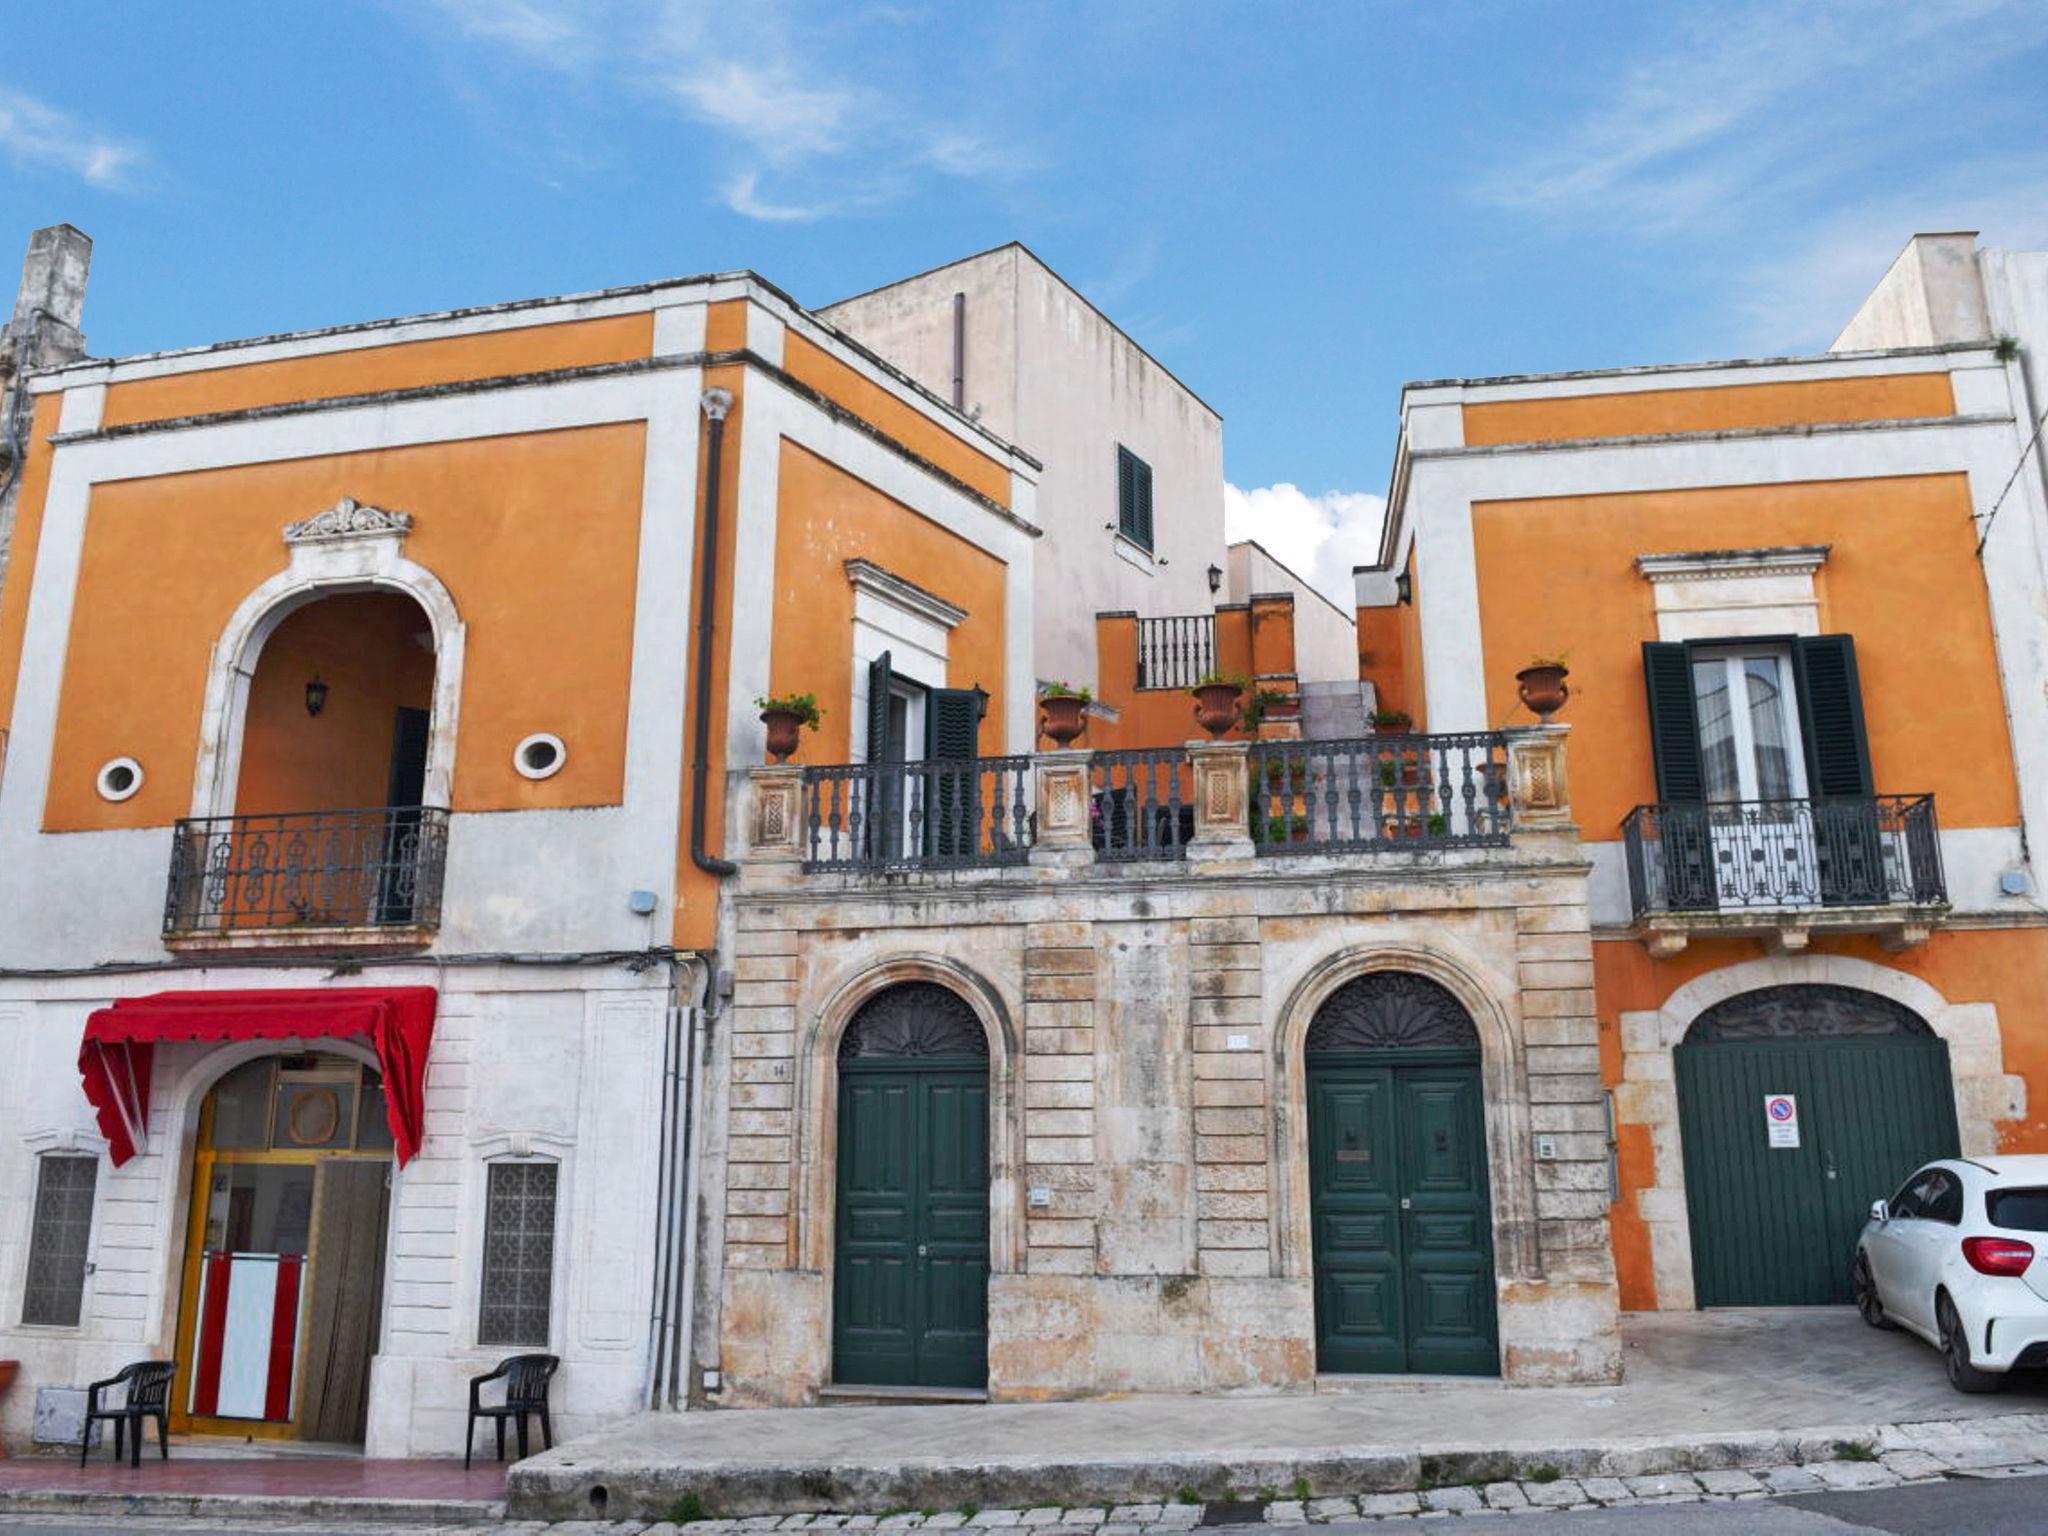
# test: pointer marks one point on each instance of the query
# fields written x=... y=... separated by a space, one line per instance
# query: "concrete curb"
x=559 y=1485
x=248 y=1507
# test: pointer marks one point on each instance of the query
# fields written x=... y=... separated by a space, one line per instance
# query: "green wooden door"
x=910 y=1291
x=1402 y=1220
x=1776 y=1226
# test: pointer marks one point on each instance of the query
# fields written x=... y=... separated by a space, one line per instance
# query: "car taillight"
x=1998 y=1255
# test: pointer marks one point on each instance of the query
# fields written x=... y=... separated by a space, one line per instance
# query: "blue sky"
x=1296 y=207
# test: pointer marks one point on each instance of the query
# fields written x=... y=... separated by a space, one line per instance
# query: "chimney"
x=50 y=306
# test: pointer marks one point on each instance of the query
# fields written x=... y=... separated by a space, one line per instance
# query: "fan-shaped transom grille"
x=914 y=1018
x=1806 y=1011
x=1388 y=1010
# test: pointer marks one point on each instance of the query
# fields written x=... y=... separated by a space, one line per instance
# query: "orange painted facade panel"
x=374 y=650
x=1408 y=616
x=1164 y=717
x=1557 y=574
x=21 y=564
x=369 y=370
x=811 y=366
x=826 y=517
x=725 y=325
x=2007 y=968
x=536 y=537
x=1807 y=402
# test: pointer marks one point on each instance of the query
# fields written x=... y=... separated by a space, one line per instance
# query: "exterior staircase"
x=1338 y=711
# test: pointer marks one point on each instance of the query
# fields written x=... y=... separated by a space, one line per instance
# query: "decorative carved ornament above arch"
x=1392 y=1010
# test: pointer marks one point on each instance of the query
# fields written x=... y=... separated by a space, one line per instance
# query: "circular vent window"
x=119 y=778
x=540 y=756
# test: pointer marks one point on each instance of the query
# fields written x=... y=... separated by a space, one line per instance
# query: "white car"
x=1960 y=1256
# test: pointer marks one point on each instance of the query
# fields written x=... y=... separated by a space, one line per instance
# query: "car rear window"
x=2023 y=1210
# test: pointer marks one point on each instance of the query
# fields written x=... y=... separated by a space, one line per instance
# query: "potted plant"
x=1063 y=710
x=1216 y=697
x=1391 y=721
x=1542 y=687
x=1261 y=702
x=785 y=715
x=1290 y=771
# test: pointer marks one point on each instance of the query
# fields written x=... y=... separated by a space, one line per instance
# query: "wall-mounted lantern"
x=980 y=703
x=316 y=695
x=1215 y=579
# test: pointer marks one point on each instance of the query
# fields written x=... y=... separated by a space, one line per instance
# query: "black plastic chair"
x=148 y=1397
x=526 y=1380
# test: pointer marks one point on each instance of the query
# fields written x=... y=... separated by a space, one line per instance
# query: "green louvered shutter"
x=1831 y=712
x=1674 y=726
x=1133 y=497
x=883 y=803
x=1848 y=840
x=880 y=677
x=952 y=726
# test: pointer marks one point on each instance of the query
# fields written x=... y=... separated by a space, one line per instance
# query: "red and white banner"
x=248 y=1335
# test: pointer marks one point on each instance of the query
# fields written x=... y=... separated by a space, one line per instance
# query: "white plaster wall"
x=554 y=1062
x=1325 y=636
x=1046 y=370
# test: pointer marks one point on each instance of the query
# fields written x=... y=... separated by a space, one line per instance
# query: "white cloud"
x=39 y=136
x=807 y=132
x=1319 y=538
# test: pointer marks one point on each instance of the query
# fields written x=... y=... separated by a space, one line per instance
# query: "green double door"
x=1776 y=1225
x=910 y=1286
x=1402 y=1219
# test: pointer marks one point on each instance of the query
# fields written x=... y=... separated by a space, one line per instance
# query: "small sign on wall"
x=1781 y=1119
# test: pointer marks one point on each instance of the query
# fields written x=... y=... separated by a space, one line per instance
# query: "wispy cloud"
x=1318 y=537
x=805 y=133
x=1762 y=139
x=41 y=137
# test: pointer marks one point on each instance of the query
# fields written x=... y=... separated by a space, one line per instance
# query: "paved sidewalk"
x=1704 y=1392
x=269 y=1489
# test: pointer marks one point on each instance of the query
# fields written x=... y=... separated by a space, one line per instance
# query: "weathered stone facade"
x=1149 y=1204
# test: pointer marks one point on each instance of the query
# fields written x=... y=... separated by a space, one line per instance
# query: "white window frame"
x=1731 y=658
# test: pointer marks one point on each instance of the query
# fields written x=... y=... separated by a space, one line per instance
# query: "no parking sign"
x=1781 y=1119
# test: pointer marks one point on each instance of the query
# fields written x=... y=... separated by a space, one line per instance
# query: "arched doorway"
x=1798 y=1106
x=910 y=1277
x=284 y=1260
x=1403 y=1221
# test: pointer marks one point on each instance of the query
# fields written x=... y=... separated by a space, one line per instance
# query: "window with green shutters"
x=1133 y=498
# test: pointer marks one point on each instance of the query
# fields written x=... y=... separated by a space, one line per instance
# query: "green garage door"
x=1775 y=1217
x=1398 y=1182
x=910 y=1283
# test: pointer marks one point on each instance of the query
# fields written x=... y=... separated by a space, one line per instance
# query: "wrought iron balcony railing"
x=949 y=813
x=1783 y=855
x=379 y=868
x=1141 y=804
x=1381 y=793
x=1176 y=652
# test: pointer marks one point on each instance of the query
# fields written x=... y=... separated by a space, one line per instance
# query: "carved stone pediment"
x=348 y=519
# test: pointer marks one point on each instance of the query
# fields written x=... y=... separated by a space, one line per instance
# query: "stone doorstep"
x=249 y=1507
x=1649 y=1469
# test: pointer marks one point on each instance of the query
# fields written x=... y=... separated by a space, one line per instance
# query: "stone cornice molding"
x=1733 y=564
x=868 y=577
x=348 y=519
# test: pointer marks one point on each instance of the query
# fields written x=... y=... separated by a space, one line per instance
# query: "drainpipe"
x=959 y=351
x=716 y=402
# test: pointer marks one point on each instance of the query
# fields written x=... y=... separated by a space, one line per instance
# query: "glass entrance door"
x=1754 y=771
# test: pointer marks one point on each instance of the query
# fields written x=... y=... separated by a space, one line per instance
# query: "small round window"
x=119 y=778
x=540 y=756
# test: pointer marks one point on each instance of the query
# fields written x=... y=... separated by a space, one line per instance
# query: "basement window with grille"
x=58 y=1240
x=519 y=1254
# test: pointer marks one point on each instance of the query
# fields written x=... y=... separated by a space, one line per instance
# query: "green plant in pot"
x=1063 y=711
x=1216 y=696
x=1391 y=721
x=785 y=715
x=1542 y=687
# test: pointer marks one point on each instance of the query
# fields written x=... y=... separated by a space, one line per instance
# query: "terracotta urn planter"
x=784 y=728
x=1063 y=716
x=1543 y=689
x=1216 y=707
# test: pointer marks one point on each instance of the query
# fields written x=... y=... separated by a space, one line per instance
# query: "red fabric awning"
x=120 y=1046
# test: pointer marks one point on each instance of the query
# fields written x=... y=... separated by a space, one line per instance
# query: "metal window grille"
x=58 y=1240
x=352 y=869
x=1386 y=794
x=519 y=1254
